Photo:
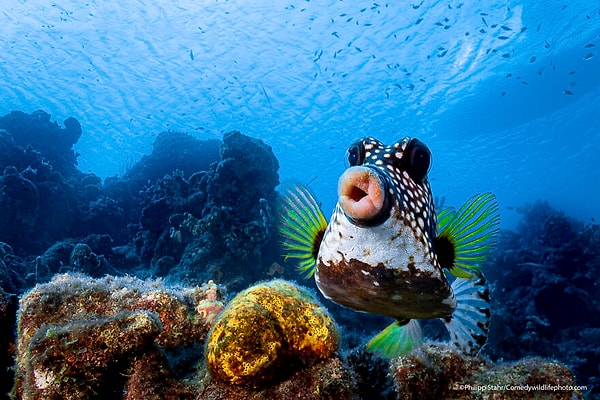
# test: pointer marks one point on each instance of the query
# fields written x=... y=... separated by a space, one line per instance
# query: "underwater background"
x=144 y=168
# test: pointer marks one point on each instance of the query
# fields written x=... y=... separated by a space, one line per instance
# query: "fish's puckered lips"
x=361 y=194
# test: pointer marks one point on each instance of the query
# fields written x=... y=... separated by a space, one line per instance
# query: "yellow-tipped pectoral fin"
x=397 y=339
x=301 y=225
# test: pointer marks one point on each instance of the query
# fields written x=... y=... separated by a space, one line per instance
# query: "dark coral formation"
x=372 y=376
x=43 y=196
x=84 y=338
x=191 y=209
x=216 y=224
x=173 y=151
x=93 y=255
x=545 y=301
x=40 y=139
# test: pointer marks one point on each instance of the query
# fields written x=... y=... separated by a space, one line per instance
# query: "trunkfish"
x=386 y=251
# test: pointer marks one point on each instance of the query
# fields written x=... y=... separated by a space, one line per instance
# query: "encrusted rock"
x=83 y=338
x=266 y=332
x=440 y=372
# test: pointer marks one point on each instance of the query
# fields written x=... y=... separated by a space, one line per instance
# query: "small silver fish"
x=382 y=253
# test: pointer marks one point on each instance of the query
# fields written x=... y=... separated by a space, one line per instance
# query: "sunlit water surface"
x=505 y=93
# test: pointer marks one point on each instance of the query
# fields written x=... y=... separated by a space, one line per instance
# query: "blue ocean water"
x=505 y=93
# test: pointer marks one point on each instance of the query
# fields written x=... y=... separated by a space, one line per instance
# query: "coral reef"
x=195 y=210
x=173 y=151
x=545 y=297
x=35 y=130
x=89 y=338
x=440 y=372
x=176 y=213
x=44 y=198
x=294 y=329
x=92 y=255
x=37 y=206
x=84 y=338
x=203 y=227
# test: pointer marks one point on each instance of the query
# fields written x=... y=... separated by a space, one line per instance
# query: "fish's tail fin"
x=396 y=339
x=468 y=235
x=302 y=225
x=468 y=325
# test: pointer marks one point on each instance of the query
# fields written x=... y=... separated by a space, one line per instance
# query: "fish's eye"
x=417 y=159
x=355 y=155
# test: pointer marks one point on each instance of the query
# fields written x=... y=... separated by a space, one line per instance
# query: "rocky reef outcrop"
x=545 y=294
x=266 y=327
x=85 y=338
x=199 y=215
x=44 y=198
x=216 y=224
x=34 y=139
x=439 y=372
x=191 y=210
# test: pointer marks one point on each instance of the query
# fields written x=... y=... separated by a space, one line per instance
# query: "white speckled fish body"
x=391 y=267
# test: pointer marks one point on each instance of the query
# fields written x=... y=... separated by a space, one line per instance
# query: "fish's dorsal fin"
x=302 y=225
x=467 y=236
x=468 y=325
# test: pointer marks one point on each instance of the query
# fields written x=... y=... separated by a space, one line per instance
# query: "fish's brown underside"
x=400 y=294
